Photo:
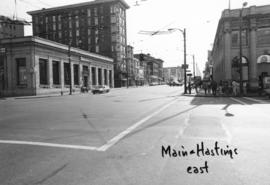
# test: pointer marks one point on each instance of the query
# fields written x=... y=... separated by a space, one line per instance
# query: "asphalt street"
x=135 y=136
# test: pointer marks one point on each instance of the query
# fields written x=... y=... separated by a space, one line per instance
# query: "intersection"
x=117 y=138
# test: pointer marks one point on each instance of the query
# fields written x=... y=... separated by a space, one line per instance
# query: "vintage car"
x=100 y=89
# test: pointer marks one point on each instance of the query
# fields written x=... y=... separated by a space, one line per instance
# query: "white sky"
x=199 y=17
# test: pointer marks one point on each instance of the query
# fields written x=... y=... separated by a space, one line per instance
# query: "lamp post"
x=69 y=60
x=240 y=48
x=185 y=62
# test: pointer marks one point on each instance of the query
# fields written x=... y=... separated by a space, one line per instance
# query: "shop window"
x=43 y=71
x=66 y=73
x=56 y=72
x=93 y=72
x=21 y=71
x=76 y=74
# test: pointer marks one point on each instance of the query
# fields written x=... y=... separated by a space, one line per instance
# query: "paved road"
x=148 y=135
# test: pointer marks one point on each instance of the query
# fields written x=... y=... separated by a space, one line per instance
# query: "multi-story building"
x=255 y=39
x=34 y=66
x=175 y=74
x=153 y=68
x=10 y=28
x=97 y=26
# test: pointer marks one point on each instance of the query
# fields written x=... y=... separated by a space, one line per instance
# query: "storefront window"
x=21 y=71
x=56 y=73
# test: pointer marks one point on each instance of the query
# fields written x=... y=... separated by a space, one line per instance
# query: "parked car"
x=153 y=83
x=100 y=89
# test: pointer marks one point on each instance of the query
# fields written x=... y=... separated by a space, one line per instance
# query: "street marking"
x=48 y=144
x=252 y=99
x=117 y=138
x=239 y=101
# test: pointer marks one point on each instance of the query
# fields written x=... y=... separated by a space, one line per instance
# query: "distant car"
x=153 y=83
x=100 y=89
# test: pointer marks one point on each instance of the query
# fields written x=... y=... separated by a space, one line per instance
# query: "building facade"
x=34 y=66
x=255 y=37
x=96 y=26
x=175 y=74
x=11 y=28
x=152 y=68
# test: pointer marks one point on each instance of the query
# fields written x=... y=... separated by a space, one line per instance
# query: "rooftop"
x=77 y=5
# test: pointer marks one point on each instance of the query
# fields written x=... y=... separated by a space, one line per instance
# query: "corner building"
x=96 y=26
x=36 y=66
x=255 y=45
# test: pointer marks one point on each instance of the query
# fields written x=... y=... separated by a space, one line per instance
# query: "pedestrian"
x=204 y=87
x=234 y=87
x=245 y=88
x=214 y=87
x=209 y=87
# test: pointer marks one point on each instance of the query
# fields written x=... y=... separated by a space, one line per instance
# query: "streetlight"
x=240 y=47
x=185 y=62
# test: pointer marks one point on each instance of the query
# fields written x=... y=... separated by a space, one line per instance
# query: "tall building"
x=10 y=28
x=97 y=26
x=255 y=39
x=175 y=74
x=152 y=67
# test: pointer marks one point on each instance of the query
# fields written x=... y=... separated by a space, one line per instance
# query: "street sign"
x=189 y=74
x=188 y=71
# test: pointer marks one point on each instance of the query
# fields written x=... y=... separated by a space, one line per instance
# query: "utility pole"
x=185 y=62
x=193 y=56
x=240 y=48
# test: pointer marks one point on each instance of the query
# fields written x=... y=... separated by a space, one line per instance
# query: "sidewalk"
x=201 y=93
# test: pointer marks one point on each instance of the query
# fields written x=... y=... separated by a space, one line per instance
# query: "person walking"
x=235 y=87
x=205 y=86
x=214 y=87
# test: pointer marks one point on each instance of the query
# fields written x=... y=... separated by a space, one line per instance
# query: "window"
x=96 y=21
x=95 y=11
x=235 y=38
x=93 y=72
x=89 y=12
x=77 y=22
x=97 y=49
x=66 y=73
x=263 y=36
x=43 y=71
x=21 y=71
x=113 y=19
x=56 y=73
x=77 y=33
x=89 y=21
x=76 y=74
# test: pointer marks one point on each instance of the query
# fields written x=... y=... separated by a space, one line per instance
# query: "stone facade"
x=255 y=45
x=34 y=66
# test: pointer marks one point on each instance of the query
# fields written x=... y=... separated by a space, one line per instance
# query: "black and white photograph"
x=135 y=92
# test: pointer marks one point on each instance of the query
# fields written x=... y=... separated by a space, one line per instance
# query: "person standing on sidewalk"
x=214 y=87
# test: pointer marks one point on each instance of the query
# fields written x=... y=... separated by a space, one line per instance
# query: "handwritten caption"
x=200 y=151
